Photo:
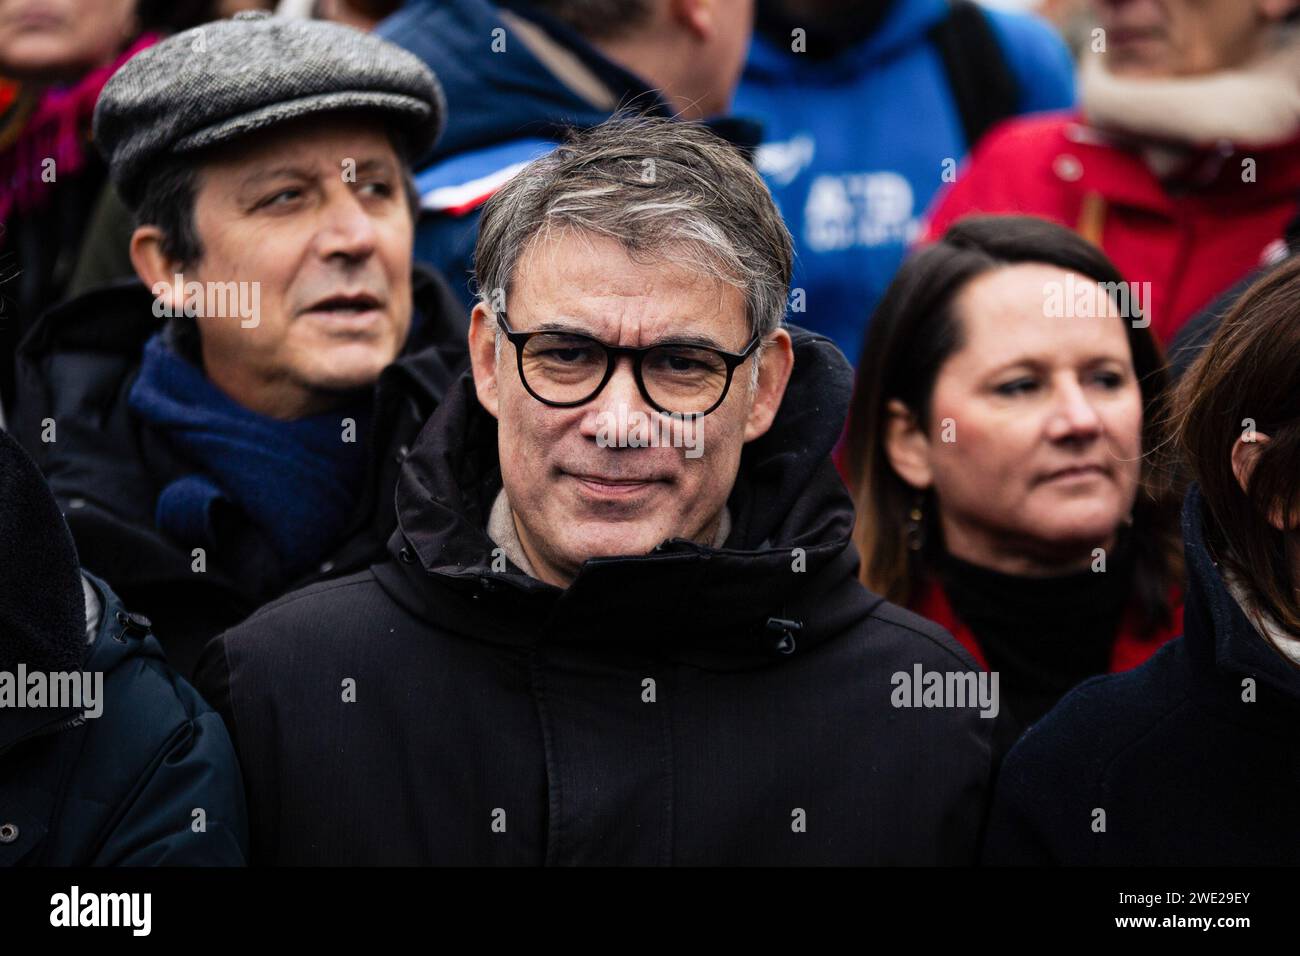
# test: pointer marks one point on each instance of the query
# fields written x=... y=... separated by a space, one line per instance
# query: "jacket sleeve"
x=189 y=808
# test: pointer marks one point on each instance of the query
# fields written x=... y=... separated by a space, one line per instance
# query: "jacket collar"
x=119 y=636
x=1220 y=637
x=791 y=520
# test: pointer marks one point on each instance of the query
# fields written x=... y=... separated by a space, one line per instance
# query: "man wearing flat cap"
x=231 y=425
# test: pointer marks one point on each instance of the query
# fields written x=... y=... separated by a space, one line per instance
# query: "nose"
x=1074 y=417
x=347 y=229
x=616 y=401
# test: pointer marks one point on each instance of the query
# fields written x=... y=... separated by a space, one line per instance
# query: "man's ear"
x=700 y=17
x=483 y=357
x=156 y=269
x=1245 y=454
x=907 y=446
x=774 y=370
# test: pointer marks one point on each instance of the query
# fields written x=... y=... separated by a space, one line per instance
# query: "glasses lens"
x=684 y=379
x=563 y=368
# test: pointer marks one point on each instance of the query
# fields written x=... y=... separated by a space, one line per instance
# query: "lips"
x=607 y=486
x=1075 y=471
x=346 y=303
x=37 y=20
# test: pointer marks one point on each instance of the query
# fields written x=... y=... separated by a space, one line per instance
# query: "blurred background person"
x=865 y=106
x=518 y=74
x=1072 y=18
x=1196 y=751
x=55 y=56
x=995 y=451
x=1183 y=163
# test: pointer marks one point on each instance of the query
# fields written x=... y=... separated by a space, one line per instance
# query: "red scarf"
x=1130 y=649
x=58 y=129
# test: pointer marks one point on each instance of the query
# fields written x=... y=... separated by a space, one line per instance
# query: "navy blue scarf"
x=297 y=481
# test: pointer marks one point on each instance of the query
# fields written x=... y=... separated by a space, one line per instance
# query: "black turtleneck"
x=1042 y=635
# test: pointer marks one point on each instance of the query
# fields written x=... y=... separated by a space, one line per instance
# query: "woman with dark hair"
x=995 y=453
x=1194 y=758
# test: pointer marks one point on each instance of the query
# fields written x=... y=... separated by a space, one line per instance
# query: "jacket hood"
x=1220 y=637
x=906 y=24
x=42 y=612
x=492 y=96
x=787 y=496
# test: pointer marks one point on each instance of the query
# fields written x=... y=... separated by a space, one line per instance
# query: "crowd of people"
x=967 y=529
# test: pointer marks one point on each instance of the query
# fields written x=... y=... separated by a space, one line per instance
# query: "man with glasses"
x=596 y=651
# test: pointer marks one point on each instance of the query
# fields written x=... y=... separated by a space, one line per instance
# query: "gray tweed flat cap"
x=220 y=81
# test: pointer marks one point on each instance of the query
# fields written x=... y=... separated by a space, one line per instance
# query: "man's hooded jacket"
x=694 y=705
x=109 y=465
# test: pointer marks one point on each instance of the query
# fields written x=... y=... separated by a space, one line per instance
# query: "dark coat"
x=1186 y=770
x=487 y=696
x=121 y=789
x=106 y=467
x=116 y=781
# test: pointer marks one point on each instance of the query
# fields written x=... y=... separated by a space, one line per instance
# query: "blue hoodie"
x=854 y=148
x=504 y=108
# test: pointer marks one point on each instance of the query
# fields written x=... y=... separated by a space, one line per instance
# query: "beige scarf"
x=1256 y=104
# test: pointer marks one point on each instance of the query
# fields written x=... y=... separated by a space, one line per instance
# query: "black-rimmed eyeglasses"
x=566 y=369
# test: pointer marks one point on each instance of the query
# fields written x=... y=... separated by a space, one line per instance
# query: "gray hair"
x=661 y=188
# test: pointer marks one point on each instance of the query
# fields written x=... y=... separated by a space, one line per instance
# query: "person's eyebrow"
x=686 y=338
x=1023 y=362
x=377 y=164
x=564 y=327
x=690 y=338
x=263 y=174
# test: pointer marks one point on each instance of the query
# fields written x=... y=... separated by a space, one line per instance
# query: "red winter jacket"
x=1130 y=649
x=1191 y=238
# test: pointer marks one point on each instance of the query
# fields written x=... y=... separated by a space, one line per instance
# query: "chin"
x=356 y=372
x=1081 y=532
x=611 y=540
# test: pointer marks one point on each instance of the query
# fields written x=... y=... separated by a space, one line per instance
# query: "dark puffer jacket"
x=693 y=705
x=107 y=467
x=152 y=779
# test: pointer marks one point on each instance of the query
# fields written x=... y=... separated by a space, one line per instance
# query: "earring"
x=914 y=529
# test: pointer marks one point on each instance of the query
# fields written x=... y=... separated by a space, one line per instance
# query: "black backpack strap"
x=982 y=83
